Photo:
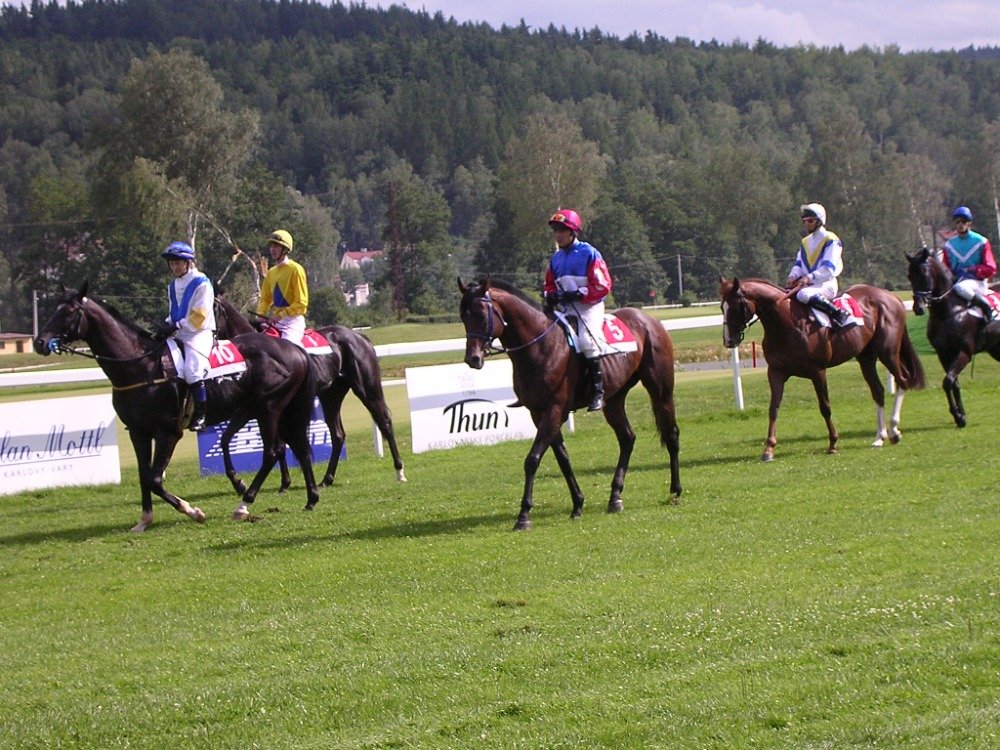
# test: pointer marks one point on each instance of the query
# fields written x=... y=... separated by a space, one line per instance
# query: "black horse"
x=275 y=388
x=955 y=332
x=352 y=365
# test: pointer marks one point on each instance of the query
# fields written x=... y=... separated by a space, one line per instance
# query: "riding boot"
x=838 y=317
x=984 y=305
x=597 y=384
x=200 y=406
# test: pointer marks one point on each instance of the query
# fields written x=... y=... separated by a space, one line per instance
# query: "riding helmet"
x=962 y=212
x=814 y=209
x=281 y=237
x=178 y=251
x=567 y=218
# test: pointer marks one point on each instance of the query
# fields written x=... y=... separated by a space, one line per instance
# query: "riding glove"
x=165 y=331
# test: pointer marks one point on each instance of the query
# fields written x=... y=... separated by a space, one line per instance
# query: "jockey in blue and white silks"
x=578 y=280
x=191 y=321
x=818 y=263
x=970 y=258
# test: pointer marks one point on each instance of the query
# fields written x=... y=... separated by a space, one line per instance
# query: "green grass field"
x=845 y=601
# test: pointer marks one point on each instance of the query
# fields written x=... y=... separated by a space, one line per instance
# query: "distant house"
x=359 y=258
x=15 y=343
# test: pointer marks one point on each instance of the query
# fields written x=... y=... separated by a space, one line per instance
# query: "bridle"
x=492 y=314
x=748 y=319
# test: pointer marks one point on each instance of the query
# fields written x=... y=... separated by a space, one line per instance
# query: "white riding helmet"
x=815 y=209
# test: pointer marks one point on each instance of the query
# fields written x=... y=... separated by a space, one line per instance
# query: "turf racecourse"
x=847 y=601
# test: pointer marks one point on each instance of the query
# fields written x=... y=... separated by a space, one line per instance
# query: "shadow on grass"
x=406 y=530
x=81 y=534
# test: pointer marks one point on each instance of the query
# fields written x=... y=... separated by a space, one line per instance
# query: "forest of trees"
x=126 y=124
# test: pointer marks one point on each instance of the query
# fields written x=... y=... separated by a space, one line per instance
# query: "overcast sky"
x=909 y=24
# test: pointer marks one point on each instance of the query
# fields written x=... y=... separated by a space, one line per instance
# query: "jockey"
x=817 y=265
x=578 y=280
x=191 y=321
x=970 y=258
x=284 y=294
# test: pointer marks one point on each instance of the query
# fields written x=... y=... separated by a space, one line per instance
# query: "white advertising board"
x=453 y=405
x=58 y=442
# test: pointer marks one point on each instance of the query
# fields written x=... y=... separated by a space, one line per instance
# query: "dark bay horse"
x=351 y=366
x=796 y=346
x=549 y=381
x=275 y=388
x=952 y=330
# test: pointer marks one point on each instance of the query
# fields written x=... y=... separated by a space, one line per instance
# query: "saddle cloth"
x=618 y=338
x=225 y=358
x=844 y=302
x=312 y=341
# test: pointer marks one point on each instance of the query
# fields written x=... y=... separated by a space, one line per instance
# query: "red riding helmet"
x=567 y=218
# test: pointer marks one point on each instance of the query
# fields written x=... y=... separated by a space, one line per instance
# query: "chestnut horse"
x=796 y=346
x=952 y=330
x=549 y=381
x=352 y=365
x=276 y=389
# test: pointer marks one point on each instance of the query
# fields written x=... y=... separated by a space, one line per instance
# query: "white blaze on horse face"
x=727 y=336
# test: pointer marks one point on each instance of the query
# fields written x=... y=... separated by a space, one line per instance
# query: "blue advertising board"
x=247 y=449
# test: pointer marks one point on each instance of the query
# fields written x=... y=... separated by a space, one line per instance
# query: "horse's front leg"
x=951 y=388
x=163 y=449
x=823 y=396
x=614 y=413
x=562 y=458
x=548 y=429
x=776 y=379
x=143 y=447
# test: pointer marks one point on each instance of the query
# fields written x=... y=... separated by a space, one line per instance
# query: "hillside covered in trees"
x=125 y=124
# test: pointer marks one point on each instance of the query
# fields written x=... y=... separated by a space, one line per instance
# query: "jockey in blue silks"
x=578 y=280
x=192 y=321
x=817 y=265
x=969 y=256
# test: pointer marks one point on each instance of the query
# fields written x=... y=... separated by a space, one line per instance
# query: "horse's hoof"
x=894 y=439
x=241 y=488
x=282 y=490
x=766 y=458
x=400 y=476
x=309 y=506
x=831 y=451
x=197 y=514
x=522 y=524
x=878 y=443
x=615 y=506
x=960 y=422
x=327 y=481
x=242 y=513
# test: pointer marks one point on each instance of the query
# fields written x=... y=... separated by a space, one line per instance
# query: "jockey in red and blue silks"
x=970 y=258
x=818 y=263
x=578 y=280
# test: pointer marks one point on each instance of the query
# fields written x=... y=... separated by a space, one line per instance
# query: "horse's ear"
x=486 y=283
x=462 y=287
x=83 y=290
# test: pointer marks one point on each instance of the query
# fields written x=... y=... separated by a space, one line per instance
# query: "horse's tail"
x=912 y=366
x=297 y=415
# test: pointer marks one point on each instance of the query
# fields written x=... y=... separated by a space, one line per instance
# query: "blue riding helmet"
x=962 y=212
x=178 y=251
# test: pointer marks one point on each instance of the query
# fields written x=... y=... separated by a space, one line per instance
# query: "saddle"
x=617 y=337
x=844 y=302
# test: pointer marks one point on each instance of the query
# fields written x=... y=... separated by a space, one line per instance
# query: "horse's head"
x=737 y=312
x=482 y=321
x=68 y=323
x=918 y=272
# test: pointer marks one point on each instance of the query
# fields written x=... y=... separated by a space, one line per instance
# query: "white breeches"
x=589 y=327
x=969 y=288
x=827 y=289
x=197 y=347
x=292 y=328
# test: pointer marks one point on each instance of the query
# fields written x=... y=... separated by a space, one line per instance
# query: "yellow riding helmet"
x=281 y=237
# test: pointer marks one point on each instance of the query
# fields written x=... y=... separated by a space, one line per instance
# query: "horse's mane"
x=506 y=286
x=122 y=319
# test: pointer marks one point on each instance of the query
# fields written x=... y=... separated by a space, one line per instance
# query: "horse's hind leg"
x=332 y=400
x=373 y=397
x=869 y=370
x=614 y=413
